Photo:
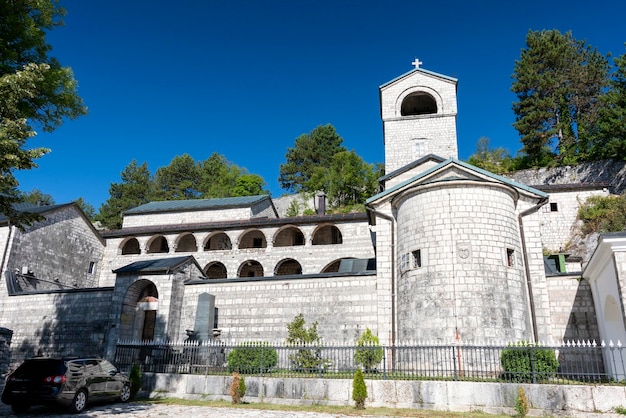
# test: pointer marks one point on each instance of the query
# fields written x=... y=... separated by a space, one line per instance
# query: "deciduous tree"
x=36 y=92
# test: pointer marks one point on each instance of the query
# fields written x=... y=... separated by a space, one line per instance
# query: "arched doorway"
x=139 y=312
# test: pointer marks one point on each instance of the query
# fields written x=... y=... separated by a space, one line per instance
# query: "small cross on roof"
x=417 y=63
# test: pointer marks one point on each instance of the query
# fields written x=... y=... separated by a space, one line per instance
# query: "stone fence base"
x=432 y=395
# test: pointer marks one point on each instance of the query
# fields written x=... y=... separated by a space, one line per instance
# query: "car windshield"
x=41 y=367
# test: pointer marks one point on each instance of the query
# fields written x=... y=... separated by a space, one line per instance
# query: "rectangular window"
x=92 y=267
x=510 y=257
x=554 y=207
x=419 y=148
x=215 y=318
x=404 y=262
x=416 y=259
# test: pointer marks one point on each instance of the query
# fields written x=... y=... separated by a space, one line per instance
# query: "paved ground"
x=161 y=411
x=146 y=410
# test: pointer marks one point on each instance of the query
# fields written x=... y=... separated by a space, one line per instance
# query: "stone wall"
x=574 y=400
x=612 y=172
x=572 y=309
x=58 y=323
x=61 y=250
x=259 y=310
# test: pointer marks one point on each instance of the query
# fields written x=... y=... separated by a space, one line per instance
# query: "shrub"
x=525 y=362
x=305 y=359
x=135 y=380
x=370 y=353
x=521 y=403
x=237 y=388
x=252 y=358
x=359 y=390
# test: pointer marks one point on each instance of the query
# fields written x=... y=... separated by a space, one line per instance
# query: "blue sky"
x=245 y=78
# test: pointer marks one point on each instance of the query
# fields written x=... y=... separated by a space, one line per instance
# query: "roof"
x=197 y=204
x=160 y=265
x=230 y=224
x=423 y=71
x=416 y=163
x=33 y=208
x=465 y=165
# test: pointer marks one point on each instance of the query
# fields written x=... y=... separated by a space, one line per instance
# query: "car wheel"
x=125 y=393
x=80 y=401
x=19 y=408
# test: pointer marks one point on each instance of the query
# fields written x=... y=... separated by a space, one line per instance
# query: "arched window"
x=327 y=234
x=218 y=241
x=158 y=245
x=288 y=266
x=252 y=239
x=250 y=268
x=131 y=247
x=288 y=237
x=186 y=244
x=332 y=267
x=215 y=270
x=418 y=103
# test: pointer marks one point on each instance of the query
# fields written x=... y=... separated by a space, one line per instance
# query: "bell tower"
x=419 y=111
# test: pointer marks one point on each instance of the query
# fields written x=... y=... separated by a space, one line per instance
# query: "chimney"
x=321 y=203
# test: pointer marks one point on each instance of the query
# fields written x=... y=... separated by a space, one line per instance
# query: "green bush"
x=135 y=380
x=252 y=358
x=370 y=353
x=525 y=362
x=359 y=390
x=309 y=357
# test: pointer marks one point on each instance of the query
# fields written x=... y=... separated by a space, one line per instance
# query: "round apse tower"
x=460 y=265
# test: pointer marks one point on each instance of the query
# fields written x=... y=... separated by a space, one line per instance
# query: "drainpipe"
x=393 y=269
x=529 y=286
x=6 y=249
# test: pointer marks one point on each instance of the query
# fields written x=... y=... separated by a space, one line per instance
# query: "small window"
x=416 y=259
x=215 y=318
x=554 y=207
x=92 y=267
x=404 y=262
x=510 y=257
x=419 y=148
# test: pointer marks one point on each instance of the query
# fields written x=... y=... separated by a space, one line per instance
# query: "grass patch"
x=349 y=410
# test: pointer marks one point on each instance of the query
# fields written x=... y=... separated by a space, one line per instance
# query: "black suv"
x=68 y=382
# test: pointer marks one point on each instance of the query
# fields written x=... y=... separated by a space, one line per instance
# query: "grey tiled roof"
x=160 y=265
x=196 y=204
x=32 y=208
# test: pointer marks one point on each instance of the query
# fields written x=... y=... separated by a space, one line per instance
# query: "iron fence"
x=580 y=362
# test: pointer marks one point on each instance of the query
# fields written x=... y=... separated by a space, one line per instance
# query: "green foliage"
x=183 y=178
x=252 y=358
x=521 y=403
x=525 y=362
x=493 y=160
x=293 y=209
x=603 y=214
x=134 y=190
x=37 y=197
x=87 y=208
x=359 y=390
x=310 y=152
x=35 y=90
x=558 y=81
x=610 y=141
x=620 y=410
x=178 y=180
x=370 y=353
x=249 y=185
x=135 y=380
x=308 y=358
x=347 y=181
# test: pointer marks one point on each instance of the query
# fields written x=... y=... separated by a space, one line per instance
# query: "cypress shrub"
x=359 y=390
